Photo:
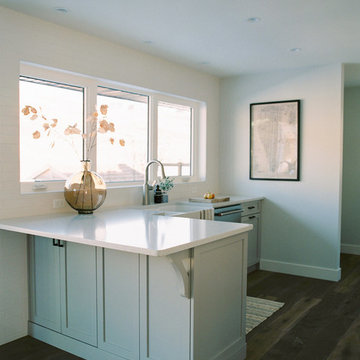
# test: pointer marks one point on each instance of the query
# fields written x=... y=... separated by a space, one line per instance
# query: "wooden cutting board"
x=215 y=200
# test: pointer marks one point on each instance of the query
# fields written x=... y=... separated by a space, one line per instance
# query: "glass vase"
x=85 y=191
x=165 y=197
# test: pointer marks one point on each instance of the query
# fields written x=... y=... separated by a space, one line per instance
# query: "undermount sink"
x=165 y=213
x=175 y=208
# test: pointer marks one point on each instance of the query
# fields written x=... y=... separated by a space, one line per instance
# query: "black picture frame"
x=275 y=140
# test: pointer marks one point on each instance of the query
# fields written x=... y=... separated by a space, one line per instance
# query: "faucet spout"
x=147 y=187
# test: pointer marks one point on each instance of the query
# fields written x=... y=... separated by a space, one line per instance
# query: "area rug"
x=258 y=310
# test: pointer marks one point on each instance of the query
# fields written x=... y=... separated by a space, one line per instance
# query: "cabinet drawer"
x=250 y=208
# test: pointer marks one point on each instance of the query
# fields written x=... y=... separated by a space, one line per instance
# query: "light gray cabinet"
x=253 y=238
x=106 y=304
x=44 y=263
x=165 y=314
x=219 y=293
x=251 y=215
x=63 y=287
x=78 y=292
x=118 y=302
x=141 y=314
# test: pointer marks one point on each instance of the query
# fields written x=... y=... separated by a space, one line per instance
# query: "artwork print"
x=274 y=140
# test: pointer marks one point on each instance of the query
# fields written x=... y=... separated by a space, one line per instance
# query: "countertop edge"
x=127 y=248
x=204 y=241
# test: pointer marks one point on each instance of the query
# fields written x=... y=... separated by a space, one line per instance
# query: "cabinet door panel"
x=79 y=292
x=253 y=238
x=118 y=303
x=44 y=283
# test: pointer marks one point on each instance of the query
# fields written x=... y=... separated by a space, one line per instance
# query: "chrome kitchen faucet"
x=147 y=187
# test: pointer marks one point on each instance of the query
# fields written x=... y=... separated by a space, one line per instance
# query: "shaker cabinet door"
x=78 y=292
x=63 y=287
x=118 y=303
x=44 y=282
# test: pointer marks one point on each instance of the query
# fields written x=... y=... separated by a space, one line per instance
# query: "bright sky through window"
x=46 y=153
x=64 y=113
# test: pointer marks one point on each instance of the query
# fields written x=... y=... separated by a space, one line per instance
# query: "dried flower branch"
x=45 y=127
x=93 y=125
x=96 y=123
x=72 y=130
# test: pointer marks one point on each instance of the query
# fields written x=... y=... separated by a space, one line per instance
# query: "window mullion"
x=192 y=141
x=153 y=134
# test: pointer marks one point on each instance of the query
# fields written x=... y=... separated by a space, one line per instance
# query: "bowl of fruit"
x=209 y=195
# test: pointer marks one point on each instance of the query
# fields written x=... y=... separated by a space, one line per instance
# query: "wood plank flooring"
x=319 y=321
x=28 y=348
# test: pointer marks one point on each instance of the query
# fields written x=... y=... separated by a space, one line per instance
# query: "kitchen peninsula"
x=132 y=284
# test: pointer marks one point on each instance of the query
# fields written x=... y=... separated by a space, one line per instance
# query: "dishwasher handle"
x=229 y=212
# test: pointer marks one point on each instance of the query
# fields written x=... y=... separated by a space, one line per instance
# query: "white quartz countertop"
x=234 y=200
x=131 y=230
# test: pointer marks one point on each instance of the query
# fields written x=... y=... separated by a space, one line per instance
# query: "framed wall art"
x=274 y=140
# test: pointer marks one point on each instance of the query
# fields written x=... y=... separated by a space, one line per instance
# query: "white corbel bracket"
x=181 y=264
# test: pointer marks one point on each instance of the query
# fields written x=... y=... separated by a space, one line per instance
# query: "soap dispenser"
x=158 y=195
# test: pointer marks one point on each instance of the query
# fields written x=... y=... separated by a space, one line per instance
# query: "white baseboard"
x=301 y=270
x=350 y=249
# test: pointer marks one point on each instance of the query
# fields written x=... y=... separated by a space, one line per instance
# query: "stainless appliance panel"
x=229 y=213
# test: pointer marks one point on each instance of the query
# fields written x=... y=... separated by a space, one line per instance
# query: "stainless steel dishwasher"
x=250 y=214
x=231 y=213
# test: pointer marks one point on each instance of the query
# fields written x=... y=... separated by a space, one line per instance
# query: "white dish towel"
x=207 y=214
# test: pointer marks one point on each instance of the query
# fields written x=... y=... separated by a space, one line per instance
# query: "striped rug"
x=258 y=310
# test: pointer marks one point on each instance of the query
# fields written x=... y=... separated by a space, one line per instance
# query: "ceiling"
x=222 y=37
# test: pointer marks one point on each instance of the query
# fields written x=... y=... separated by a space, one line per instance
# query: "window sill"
x=57 y=186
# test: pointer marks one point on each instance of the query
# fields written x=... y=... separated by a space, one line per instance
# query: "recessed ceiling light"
x=253 y=19
x=295 y=50
x=61 y=10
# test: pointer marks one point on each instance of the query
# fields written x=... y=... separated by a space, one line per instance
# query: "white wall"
x=350 y=225
x=13 y=287
x=23 y=38
x=301 y=220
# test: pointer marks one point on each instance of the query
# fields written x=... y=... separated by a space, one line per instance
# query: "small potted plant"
x=166 y=185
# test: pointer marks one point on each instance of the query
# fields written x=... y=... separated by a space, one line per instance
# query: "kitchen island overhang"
x=192 y=270
x=131 y=230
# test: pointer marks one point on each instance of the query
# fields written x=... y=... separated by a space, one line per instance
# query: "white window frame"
x=158 y=98
x=90 y=84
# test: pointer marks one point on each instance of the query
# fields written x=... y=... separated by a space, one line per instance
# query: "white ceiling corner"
x=214 y=35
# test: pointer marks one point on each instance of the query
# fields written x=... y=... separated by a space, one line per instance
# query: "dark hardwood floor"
x=28 y=348
x=319 y=321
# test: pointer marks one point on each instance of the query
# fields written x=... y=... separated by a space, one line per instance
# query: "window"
x=175 y=138
x=65 y=118
x=129 y=114
x=47 y=109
